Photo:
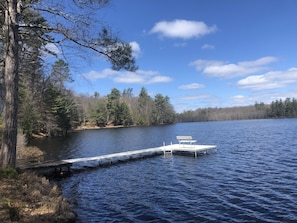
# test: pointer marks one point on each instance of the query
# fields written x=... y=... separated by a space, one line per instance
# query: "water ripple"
x=252 y=177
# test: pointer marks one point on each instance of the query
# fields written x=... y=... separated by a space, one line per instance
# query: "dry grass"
x=30 y=154
x=30 y=198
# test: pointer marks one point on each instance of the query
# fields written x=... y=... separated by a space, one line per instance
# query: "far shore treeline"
x=277 y=109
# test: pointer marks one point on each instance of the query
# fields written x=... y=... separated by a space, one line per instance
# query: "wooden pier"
x=62 y=166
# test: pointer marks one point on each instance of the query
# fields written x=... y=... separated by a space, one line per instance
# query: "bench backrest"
x=184 y=137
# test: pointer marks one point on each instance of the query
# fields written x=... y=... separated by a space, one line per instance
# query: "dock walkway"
x=109 y=159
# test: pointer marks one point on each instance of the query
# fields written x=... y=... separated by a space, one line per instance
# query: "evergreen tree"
x=144 y=108
x=124 y=116
x=100 y=113
x=113 y=103
x=163 y=111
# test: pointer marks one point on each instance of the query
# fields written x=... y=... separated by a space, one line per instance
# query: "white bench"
x=185 y=139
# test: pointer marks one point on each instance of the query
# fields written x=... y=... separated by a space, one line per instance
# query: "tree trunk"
x=10 y=111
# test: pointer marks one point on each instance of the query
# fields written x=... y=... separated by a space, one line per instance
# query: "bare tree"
x=66 y=24
x=10 y=110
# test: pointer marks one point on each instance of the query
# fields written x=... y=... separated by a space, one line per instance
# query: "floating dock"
x=58 y=167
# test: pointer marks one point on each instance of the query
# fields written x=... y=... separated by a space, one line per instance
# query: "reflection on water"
x=251 y=178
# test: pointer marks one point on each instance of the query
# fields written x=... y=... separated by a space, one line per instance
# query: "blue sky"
x=200 y=53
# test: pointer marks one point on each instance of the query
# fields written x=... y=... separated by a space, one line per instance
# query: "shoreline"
x=83 y=128
x=27 y=197
x=80 y=128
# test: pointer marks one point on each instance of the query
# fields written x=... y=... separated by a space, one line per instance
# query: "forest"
x=125 y=109
x=54 y=110
x=46 y=105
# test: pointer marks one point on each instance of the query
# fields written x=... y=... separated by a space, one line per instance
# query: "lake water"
x=251 y=178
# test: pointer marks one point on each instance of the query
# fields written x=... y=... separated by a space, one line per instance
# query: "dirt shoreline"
x=27 y=197
x=80 y=128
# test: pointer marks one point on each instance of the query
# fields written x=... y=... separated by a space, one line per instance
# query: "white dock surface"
x=110 y=159
x=135 y=154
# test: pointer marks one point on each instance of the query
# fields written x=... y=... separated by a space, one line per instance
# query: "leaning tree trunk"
x=10 y=110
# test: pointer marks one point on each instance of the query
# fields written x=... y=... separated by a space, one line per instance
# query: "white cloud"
x=159 y=79
x=240 y=100
x=202 y=64
x=195 y=97
x=238 y=97
x=135 y=49
x=191 y=86
x=184 y=29
x=223 y=69
x=259 y=62
x=94 y=75
x=138 y=77
x=270 y=80
x=207 y=47
x=129 y=78
x=51 y=48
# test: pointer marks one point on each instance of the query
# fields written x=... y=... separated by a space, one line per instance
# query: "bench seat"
x=185 y=139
